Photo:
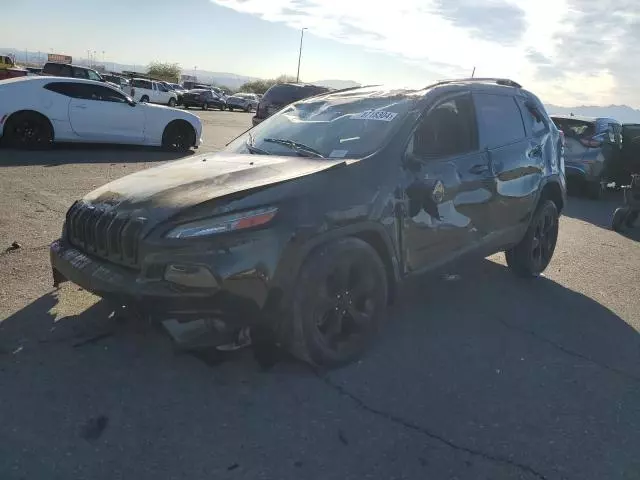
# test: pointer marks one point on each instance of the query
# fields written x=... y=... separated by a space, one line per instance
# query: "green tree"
x=169 y=72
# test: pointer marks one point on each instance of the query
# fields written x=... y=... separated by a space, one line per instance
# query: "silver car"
x=243 y=101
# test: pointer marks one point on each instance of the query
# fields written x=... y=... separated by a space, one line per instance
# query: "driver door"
x=447 y=185
x=102 y=114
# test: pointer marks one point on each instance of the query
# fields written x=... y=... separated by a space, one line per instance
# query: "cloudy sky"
x=568 y=51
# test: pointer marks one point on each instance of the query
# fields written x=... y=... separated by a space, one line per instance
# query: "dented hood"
x=181 y=184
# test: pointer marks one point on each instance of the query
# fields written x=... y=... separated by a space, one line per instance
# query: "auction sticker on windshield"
x=375 y=115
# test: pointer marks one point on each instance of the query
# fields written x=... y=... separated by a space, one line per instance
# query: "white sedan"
x=36 y=111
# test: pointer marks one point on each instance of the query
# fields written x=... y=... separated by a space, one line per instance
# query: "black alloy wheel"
x=28 y=130
x=533 y=254
x=178 y=137
x=339 y=297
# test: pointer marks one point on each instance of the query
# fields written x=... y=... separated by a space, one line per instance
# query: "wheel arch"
x=294 y=257
x=551 y=190
x=35 y=112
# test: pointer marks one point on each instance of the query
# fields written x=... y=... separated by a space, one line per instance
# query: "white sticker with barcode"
x=375 y=115
x=338 y=153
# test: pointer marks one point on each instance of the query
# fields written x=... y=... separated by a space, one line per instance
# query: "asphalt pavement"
x=476 y=375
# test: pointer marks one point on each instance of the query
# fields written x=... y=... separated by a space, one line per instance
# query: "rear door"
x=102 y=114
x=516 y=162
x=447 y=185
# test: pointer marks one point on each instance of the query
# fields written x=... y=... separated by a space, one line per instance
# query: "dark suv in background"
x=72 y=71
x=305 y=225
x=282 y=95
x=592 y=152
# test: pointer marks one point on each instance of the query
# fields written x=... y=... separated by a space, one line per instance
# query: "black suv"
x=204 y=99
x=306 y=224
x=281 y=95
x=71 y=71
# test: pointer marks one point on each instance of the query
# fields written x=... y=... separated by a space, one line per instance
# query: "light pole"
x=300 y=54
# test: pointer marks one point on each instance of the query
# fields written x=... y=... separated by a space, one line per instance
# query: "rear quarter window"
x=499 y=120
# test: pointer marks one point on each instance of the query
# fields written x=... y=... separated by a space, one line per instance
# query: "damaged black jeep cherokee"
x=305 y=224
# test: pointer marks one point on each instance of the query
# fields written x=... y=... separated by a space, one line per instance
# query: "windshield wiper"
x=298 y=147
x=253 y=149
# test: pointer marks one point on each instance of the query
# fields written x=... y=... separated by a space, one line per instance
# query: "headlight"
x=223 y=224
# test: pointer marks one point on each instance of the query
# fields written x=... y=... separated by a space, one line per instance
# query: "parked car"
x=281 y=95
x=36 y=111
x=174 y=87
x=143 y=90
x=8 y=68
x=242 y=101
x=121 y=82
x=72 y=71
x=305 y=225
x=592 y=150
x=203 y=99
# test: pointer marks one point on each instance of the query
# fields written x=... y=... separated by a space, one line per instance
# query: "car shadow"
x=72 y=153
x=478 y=362
x=599 y=212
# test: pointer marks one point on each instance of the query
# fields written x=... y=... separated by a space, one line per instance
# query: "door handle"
x=479 y=169
x=81 y=107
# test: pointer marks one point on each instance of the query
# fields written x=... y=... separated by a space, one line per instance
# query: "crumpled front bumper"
x=236 y=296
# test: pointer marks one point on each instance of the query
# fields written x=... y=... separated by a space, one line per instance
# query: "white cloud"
x=500 y=37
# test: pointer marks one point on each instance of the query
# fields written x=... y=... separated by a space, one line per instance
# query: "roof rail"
x=498 y=81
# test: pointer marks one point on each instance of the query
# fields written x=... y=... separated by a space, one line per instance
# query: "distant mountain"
x=337 y=84
x=622 y=113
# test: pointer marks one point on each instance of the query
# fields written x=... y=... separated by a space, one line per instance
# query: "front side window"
x=94 y=76
x=447 y=129
x=332 y=127
x=73 y=90
x=499 y=120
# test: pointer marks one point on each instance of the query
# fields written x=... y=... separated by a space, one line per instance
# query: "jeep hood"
x=167 y=189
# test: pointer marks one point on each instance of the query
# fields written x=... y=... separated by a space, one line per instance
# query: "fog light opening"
x=190 y=276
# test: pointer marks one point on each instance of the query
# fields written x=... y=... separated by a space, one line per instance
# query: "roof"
x=581 y=118
x=50 y=78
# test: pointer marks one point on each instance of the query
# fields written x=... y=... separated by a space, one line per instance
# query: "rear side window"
x=576 y=129
x=141 y=84
x=79 y=72
x=73 y=90
x=534 y=116
x=499 y=120
x=57 y=69
x=284 y=94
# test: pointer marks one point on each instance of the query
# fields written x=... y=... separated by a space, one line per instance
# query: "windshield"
x=335 y=127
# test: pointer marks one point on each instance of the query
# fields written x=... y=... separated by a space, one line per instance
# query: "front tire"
x=205 y=106
x=144 y=99
x=619 y=219
x=337 y=305
x=532 y=255
x=178 y=136
x=172 y=102
x=230 y=108
x=28 y=130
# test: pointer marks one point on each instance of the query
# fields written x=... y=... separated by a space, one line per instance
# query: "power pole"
x=300 y=54
x=474 y=72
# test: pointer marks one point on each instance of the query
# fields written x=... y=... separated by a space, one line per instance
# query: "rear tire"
x=205 y=106
x=28 y=130
x=337 y=305
x=249 y=109
x=186 y=107
x=532 y=255
x=178 y=137
x=619 y=219
x=230 y=108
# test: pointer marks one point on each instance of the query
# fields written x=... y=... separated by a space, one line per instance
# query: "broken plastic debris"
x=451 y=277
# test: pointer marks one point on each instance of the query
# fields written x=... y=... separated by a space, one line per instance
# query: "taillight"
x=562 y=139
x=592 y=142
